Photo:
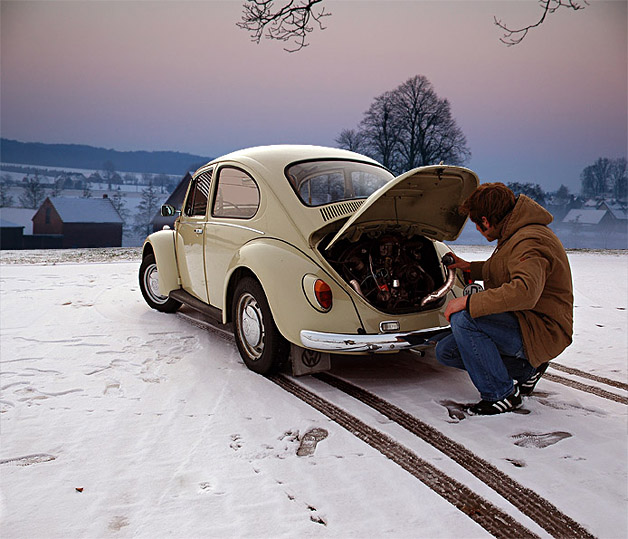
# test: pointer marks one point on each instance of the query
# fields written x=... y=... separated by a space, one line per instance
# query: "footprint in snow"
x=517 y=463
x=236 y=442
x=539 y=441
x=28 y=460
x=455 y=410
x=117 y=523
x=310 y=441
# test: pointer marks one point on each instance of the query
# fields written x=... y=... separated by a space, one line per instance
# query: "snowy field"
x=119 y=421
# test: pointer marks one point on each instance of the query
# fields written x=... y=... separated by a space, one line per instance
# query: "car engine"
x=392 y=272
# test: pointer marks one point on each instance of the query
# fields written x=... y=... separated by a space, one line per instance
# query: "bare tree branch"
x=513 y=37
x=291 y=22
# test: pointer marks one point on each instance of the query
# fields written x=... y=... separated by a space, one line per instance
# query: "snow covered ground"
x=119 y=421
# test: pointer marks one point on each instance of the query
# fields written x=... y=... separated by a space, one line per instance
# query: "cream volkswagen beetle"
x=309 y=251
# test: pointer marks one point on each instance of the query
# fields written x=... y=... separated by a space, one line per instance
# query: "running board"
x=196 y=304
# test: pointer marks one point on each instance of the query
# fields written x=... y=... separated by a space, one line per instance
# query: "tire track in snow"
x=537 y=508
x=586 y=388
x=490 y=517
x=589 y=376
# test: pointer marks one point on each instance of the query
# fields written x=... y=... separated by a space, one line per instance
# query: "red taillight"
x=323 y=294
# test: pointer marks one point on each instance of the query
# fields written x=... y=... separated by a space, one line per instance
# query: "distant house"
x=16 y=224
x=20 y=216
x=587 y=217
x=176 y=200
x=601 y=215
x=619 y=212
x=79 y=222
x=11 y=235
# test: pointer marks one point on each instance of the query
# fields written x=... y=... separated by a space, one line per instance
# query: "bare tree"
x=290 y=22
x=146 y=209
x=410 y=127
x=33 y=194
x=87 y=189
x=5 y=198
x=619 y=178
x=606 y=178
x=380 y=131
x=515 y=36
x=293 y=20
x=596 y=178
x=532 y=190
x=58 y=185
x=351 y=139
x=108 y=172
x=118 y=200
x=427 y=131
x=563 y=192
x=162 y=181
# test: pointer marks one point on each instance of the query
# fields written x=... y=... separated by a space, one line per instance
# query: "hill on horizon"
x=82 y=156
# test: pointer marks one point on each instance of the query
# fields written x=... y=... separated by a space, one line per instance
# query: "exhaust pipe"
x=447 y=260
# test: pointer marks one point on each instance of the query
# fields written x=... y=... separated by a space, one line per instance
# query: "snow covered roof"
x=19 y=216
x=618 y=212
x=85 y=210
x=8 y=224
x=585 y=216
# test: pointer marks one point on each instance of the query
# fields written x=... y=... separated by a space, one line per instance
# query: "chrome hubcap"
x=251 y=326
x=151 y=282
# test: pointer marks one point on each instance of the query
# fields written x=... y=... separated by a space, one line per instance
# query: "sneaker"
x=508 y=404
x=527 y=387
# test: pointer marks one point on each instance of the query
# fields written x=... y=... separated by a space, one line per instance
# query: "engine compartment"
x=390 y=270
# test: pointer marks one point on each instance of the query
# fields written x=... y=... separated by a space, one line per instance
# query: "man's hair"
x=491 y=200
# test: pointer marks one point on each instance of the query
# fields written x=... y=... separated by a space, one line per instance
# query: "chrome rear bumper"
x=381 y=342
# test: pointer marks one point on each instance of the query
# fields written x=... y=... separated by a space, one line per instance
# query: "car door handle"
x=198 y=231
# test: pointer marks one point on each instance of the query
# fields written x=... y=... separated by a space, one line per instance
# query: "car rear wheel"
x=261 y=346
x=149 y=285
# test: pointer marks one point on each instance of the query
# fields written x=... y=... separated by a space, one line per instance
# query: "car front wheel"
x=149 y=285
x=261 y=346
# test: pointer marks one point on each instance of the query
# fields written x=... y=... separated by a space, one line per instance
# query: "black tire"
x=149 y=285
x=262 y=347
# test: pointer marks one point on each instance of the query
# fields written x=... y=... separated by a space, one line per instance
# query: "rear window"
x=323 y=182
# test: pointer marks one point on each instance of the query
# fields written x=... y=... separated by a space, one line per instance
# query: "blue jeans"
x=489 y=348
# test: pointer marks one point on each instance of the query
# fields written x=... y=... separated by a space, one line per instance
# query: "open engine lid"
x=422 y=201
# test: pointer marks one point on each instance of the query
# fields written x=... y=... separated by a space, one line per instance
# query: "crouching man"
x=505 y=335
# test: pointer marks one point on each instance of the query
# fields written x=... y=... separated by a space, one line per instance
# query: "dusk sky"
x=177 y=75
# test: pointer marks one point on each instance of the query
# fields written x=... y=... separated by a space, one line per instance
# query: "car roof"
x=269 y=164
x=281 y=155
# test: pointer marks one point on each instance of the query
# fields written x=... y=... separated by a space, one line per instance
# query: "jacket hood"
x=526 y=212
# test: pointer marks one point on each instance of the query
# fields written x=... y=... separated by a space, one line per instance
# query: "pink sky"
x=181 y=76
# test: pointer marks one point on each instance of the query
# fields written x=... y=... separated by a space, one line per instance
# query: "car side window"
x=237 y=194
x=196 y=203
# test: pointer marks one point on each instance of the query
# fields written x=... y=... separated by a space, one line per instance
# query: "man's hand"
x=456 y=305
x=459 y=263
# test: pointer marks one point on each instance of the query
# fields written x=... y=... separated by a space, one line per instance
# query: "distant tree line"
x=81 y=156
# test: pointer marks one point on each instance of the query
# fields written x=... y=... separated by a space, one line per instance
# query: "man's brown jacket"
x=529 y=275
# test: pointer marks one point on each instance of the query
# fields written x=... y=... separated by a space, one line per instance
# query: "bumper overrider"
x=381 y=342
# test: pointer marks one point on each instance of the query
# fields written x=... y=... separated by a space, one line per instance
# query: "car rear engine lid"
x=423 y=201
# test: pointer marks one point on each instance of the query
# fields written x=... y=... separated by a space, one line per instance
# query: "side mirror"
x=168 y=210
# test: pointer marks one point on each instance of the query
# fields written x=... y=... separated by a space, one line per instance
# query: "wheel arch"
x=162 y=245
x=238 y=274
x=281 y=281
